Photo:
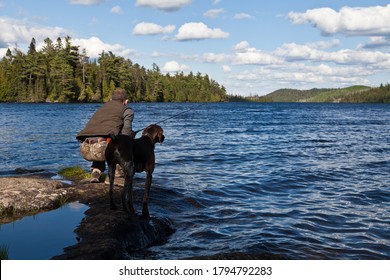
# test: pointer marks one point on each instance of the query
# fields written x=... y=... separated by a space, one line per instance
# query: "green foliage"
x=337 y=95
x=239 y=98
x=371 y=95
x=60 y=72
x=74 y=173
x=295 y=95
x=354 y=94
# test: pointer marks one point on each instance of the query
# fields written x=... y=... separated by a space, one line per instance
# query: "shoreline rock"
x=23 y=196
x=103 y=234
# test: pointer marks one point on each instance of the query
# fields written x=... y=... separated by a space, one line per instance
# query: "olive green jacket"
x=112 y=118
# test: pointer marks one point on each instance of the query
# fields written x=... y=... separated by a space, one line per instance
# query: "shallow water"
x=308 y=181
x=42 y=236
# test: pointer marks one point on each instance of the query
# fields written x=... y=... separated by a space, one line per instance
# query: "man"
x=114 y=117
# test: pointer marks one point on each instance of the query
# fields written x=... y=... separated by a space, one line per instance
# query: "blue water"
x=308 y=181
x=42 y=236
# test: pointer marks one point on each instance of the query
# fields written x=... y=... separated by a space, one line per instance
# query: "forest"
x=61 y=72
x=353 y=94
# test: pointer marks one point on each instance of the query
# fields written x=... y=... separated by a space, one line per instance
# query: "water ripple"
x=307 y=181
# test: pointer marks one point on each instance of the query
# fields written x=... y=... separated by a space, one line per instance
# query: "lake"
x=307 y=181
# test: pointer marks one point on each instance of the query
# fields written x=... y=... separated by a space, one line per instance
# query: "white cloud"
x=173 y=66
x=256 y=57
x=116 y=10
x=241 y=46
x=306 y=77
x=376 y=42
x=215 y=58
x=301 y=75
x=357 y=21
x=199 y=31
x=293 y=51
x=216 y=2
x=214 y=13
x=165 y=5
x=258 y=74
x=361 y=57
x=242 y=16
x=247 y=55
x=226 y=68
x=95 y=47
x=159 y=54
x=148 y=28
x=86 y=2
x=16 y=31
x=325 y=44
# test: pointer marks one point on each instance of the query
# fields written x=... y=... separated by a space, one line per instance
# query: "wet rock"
x=20 y=196
x=109 y=235
x=103 y=233
x=28 y=171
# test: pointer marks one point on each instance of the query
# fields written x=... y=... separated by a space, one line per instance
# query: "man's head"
x=119 y=94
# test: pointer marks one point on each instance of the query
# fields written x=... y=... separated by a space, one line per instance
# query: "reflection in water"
x=42 y=236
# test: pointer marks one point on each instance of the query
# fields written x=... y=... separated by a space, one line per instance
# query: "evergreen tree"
x=60 y=72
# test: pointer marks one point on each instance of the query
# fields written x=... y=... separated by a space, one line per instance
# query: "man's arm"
x=128 y=117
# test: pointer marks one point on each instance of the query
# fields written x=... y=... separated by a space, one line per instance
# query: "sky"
x=251 y=47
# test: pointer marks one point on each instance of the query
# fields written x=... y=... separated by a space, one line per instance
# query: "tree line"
x=354 y=94
x=61 y=72
x=379 y=94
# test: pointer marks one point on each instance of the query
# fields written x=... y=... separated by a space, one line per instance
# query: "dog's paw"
x=145 y=214
x=145 y=217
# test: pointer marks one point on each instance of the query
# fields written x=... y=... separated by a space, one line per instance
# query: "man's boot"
x=119 y=172
x=119 y=177
x=95 y=175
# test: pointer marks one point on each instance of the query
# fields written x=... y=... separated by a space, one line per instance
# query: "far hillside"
x=353 y=94
x=295 y=95
x=340 y=95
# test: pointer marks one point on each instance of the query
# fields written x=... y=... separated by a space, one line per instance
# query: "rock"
x=107 y=234
x=20 y=196
x=103 y=234
x=28 y=171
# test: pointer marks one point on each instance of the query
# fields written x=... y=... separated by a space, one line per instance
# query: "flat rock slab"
x=103 y=233
x=20 y=196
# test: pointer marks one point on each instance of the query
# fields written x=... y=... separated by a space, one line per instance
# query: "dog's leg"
x=148 y=183
x=127 y=195
x=111 y=176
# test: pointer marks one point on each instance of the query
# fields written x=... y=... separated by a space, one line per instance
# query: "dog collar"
x=148 y=135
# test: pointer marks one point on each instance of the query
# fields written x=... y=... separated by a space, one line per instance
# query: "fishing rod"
x=171 y=117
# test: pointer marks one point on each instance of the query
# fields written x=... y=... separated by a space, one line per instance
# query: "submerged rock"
x=105 y=235
x=28 y=171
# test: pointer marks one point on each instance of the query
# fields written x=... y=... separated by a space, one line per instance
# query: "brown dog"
x=133 y=155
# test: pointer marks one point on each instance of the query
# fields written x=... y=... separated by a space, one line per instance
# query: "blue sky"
x=249 y=46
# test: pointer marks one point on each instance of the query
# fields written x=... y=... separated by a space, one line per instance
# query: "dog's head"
x=155 y=132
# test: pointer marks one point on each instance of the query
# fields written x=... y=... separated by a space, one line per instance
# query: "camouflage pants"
x=93 y=148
